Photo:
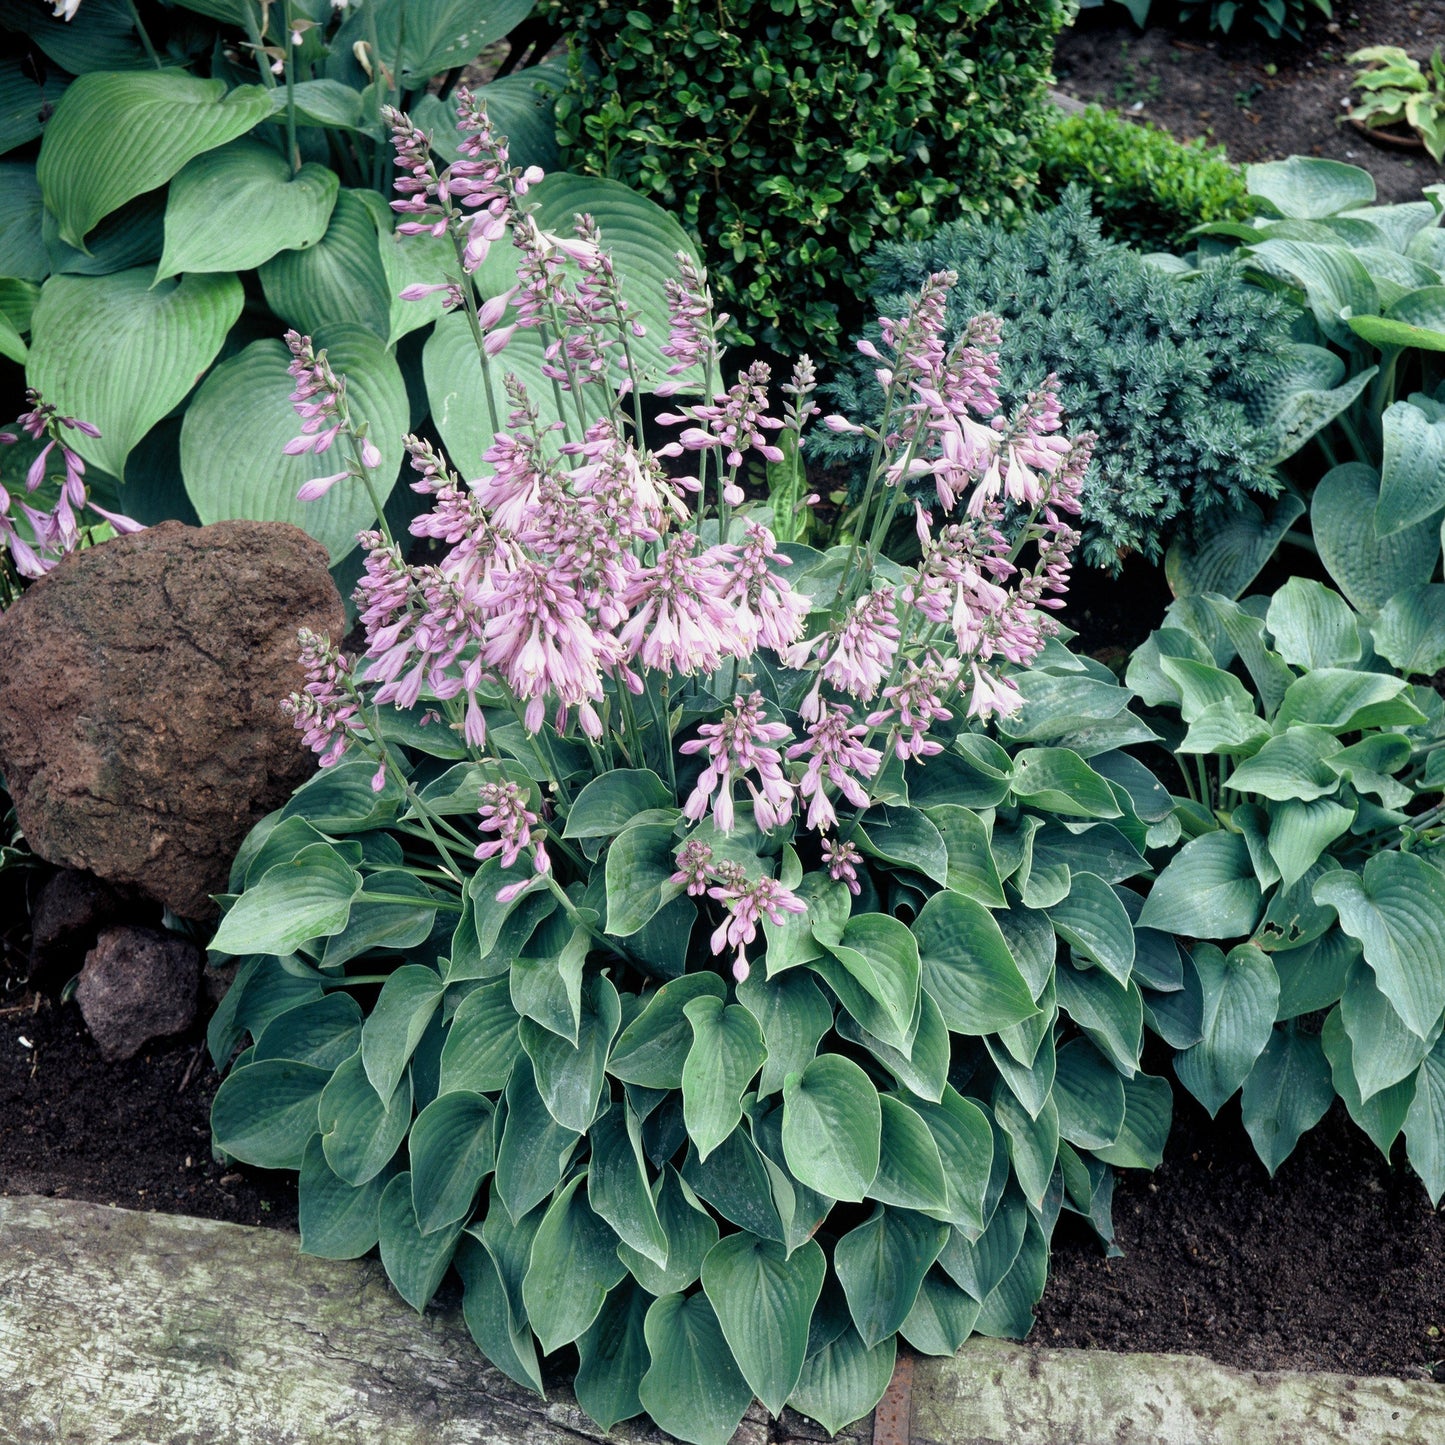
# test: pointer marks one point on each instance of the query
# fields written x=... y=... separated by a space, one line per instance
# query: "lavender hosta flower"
x=857 y=655
x=504 y=812
x=681 y=620
x=692 y=324
x=836 y=754
x=735 y=421
x=318 y=398
x=695 y=868
x=917 y=703
x=747 y=904
x=325 y=710
x=742 y=743
x=841 y=859
x=769 y=612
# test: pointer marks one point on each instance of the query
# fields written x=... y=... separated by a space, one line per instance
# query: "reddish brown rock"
x=138 y=984
x=140 y=728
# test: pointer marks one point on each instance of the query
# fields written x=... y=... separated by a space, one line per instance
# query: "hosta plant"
x=1312 y=876
x=183 y=182
x=1362 y=384
x=666 y=943
x=1398 y=92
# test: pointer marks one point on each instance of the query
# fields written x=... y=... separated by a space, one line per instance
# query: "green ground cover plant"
x=669 y=942
x=1312 y=878
x=1164 y=370
x=1279 y=19
x=731 y=116
x=1148 y=189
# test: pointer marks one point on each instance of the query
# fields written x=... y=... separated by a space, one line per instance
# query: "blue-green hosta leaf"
x=1299 y=833
x=971 y=867
x=302 y=899
x=1291 y=765
x=832 y=1127
x=1303 y=398
x=906 y=837
x=693 y=1388
x=1409 y=632
x=942 y=1317
x=451 y=1151
x=612 y=1357
x=116 y=135
x=618 y=1187
x=1207 y=891
x=414 y=1262
x=691 y=1232
x=22 y=244
x=1382 y=1049
x=1412 y=469
x=427 y=39
x=1312 y=976
x=26 y=100
x=238 y=424
x=265 y=1114
x=324 y=1032
x=923 y=1070
x=652 y=1050
x=610 y=802
x=1202 y=685
x=968 y=967
x=501 y=1338
x=1229 y=548
x=119 y=351
x=1382 y=1116
x=1089 y=1095
x=360 y=1131
x=1367 y=568
x=1425 y=1124
x=844 y=1380
x=233 y=208
x=1030 y=1083
x=1033 y=1141
x=1008 y=1313
x=1148 y=1109
x=1110 y=1012
x=384 y=924
x=336 y=1220
x=966 y=1146
x=546 y=981
x=1286 y=1094
x=727 y=1052
x=570 y=1077
x=910 y=1169
x=1060 y=781
x=880 y=956
x=1094 y=922
x=1334 y=281
x=1241 y=994
x=639 y=869
x=481 y=1041
x=520 y=106
x=1222 y=730
x=1397 y=912
x=1312 y=626
x=881 y=1265
x=793 y=1015
x=390 y=1035
x=573 y=1265
x=1307 y=188
x=763 y=1298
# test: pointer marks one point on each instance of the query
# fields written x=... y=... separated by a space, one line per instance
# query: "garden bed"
x=1334 y=1265
x=1262 y=100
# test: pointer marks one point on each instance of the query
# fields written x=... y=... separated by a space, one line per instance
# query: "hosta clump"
x=1312 y=874
x=666 y=944
x=1161 y=369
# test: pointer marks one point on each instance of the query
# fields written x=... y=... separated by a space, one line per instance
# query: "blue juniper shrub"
x=1160 y=367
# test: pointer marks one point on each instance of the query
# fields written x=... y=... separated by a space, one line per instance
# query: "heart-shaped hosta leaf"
x=240 y=420
x=764 y=1297
x=1228 y=548
x=119 y=351
x=1307 y=188
x=233 y=208
x=832 y=1127
x=306 y=898
x=415 y=1262
x=338 y=279
x=1397 y=912
x=451 y=1152
x=403 y=1009
x=325 y=1032
x=693 y=1388
x=1382 y=1116
x=501 y=1337
x=1410 y=630
x=691 y=1232
x=336 y=1220
x=1148 y=1109
x=727 y=1052
x=265 y=1114
x=1208 y=890
x=1241 y=993
x=844 y=1380
x=1312 y=626
x=572 y=1266
x=910 y=1171
x=881 y=1265
x=114 y=136
x=1367 y=568
x=361 y=1131
x=570 y=1077
x=968 y=968
x=1287 y=1093
x=612 y=1357
x=1412 y=467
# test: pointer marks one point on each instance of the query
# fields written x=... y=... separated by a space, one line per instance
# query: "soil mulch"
x=1337 y=1264
x=1260 y=99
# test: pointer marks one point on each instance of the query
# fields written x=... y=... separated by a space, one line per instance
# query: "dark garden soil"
x=1260 y=99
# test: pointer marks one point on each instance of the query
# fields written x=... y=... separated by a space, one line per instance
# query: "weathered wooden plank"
x=117 y=1326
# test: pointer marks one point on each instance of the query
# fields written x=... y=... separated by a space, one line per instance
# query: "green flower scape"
x=714 y=1051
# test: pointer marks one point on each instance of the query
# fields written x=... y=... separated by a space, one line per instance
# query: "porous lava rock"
x=140 y=681
x=70 y=909
x=138 y=984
